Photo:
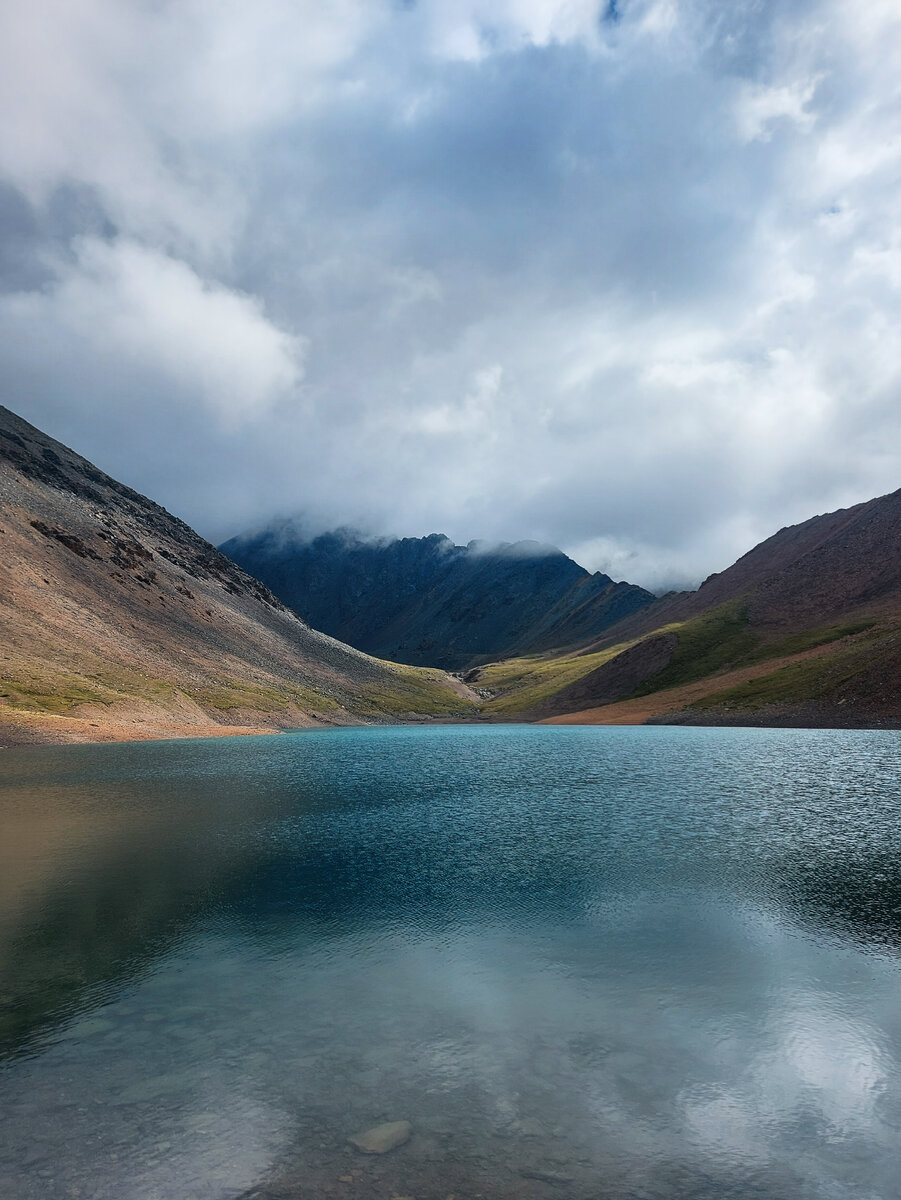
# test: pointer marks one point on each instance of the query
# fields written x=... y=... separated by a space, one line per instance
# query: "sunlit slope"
x=713 y=669
x=805 y=629
x=117 y=620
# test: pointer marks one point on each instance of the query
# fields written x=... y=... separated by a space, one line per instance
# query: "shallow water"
x=624 y=962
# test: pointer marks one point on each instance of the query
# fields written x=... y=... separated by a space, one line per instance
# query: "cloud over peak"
x=620 y=277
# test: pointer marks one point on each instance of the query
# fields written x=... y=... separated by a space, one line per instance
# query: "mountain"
x=118 y=620
x=427 y=601
x=804 y=629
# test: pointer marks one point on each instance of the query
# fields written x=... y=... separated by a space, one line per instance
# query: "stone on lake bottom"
x=547 y=1176
x=528 y=1127
x=382 y=1138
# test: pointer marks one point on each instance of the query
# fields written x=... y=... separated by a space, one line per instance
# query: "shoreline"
x=31 y=730
x=135 y=722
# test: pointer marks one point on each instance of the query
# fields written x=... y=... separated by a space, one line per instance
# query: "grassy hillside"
x=803 y=629
x=117 y=620
x=718 y=667
x=834 y=678
x=520 y=686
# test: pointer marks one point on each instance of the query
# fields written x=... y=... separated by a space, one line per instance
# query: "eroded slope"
x=117 y=620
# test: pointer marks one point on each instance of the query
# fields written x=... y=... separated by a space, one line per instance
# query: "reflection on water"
x=583 y=963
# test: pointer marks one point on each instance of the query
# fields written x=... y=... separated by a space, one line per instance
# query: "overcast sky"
x=621 y=277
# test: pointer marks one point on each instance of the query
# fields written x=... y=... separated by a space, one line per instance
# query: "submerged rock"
x=528 y=1127
x=546 y=1176
x=146 y=1091
x=382 y=1138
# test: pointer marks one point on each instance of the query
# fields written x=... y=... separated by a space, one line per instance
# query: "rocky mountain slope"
x=117 y=620
x=805 y=629
x=427 y=601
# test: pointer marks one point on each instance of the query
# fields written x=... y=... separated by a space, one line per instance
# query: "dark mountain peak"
x=427 y=601
x=605 y=580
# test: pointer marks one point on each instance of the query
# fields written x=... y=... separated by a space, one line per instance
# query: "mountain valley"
x=119 y=622
x=424 y=601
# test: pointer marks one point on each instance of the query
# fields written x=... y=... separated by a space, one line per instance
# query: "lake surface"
x=588 y=963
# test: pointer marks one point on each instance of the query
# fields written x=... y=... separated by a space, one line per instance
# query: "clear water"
x=585 y=963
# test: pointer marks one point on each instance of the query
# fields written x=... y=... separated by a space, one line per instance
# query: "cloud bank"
x=623 y=277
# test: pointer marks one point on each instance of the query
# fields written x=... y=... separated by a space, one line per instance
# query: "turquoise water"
x=589 y=963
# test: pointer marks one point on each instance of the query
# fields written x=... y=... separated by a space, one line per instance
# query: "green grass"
x=796 y=683
x=420 y=691
x=706 y=644
x=722 y=640
x=715 y=641
x=36 y=686
x=59 y=697
x=522 y=684
x=405 y=690
x=409 y=690
x=232 y=694
x=791 y=684
x=414 y=690
x=809 y=640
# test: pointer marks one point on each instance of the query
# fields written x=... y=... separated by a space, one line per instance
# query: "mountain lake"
x=585 y=963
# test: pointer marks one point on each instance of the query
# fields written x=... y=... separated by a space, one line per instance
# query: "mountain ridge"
x=427 y=600
x=118 y=620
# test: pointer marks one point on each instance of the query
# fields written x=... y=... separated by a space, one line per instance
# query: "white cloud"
x=474 y=417
x=630 y=287
x=761 y=107
x=141 y=309
x=150 y=105
x=475 y=29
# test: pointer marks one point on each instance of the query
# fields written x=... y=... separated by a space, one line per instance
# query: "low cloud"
x=623 y=278
x=128 y=307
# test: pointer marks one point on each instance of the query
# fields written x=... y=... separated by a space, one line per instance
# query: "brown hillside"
x=804 y=629
x=819 y=570
x=117 y=620
x=822 y=570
